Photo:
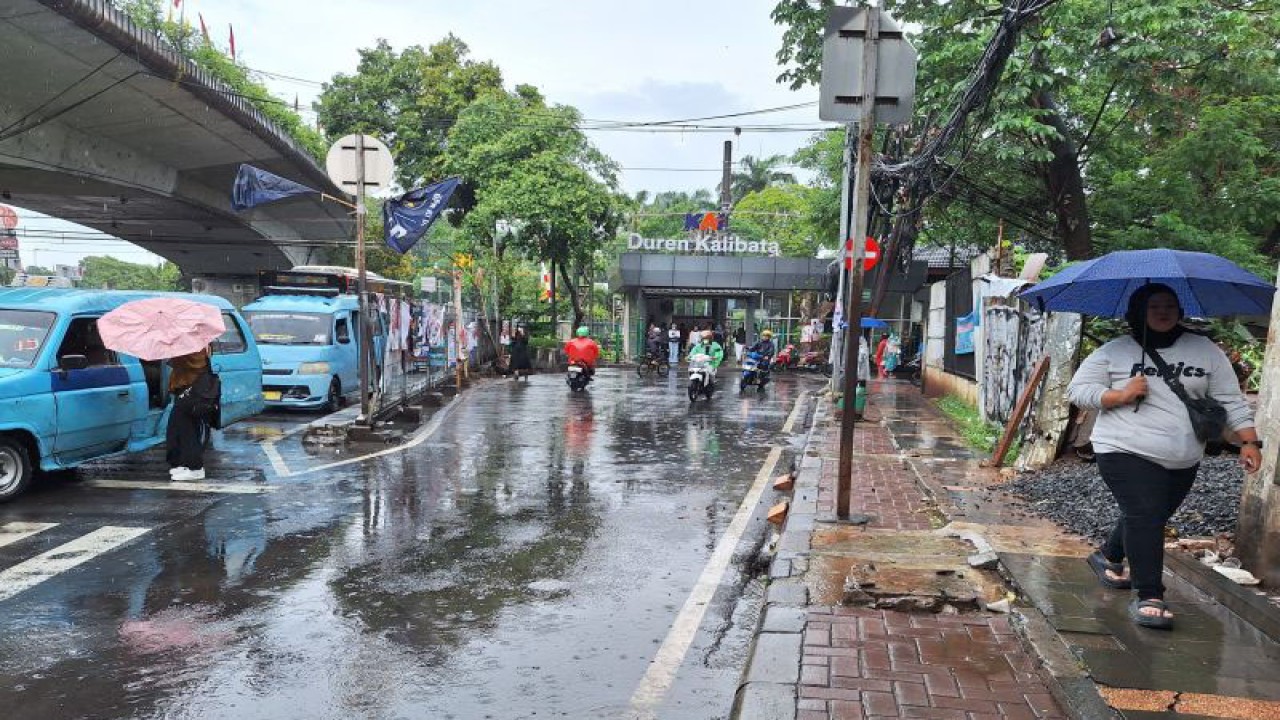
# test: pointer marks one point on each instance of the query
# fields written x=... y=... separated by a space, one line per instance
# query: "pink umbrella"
x=161 y=328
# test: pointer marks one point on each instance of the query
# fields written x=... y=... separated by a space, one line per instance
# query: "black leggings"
x=1148 y=495
x=185 y=439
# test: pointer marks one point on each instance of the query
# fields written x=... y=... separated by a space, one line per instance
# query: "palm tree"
x=757 y=174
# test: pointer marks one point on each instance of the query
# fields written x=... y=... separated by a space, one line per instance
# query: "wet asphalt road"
x=526 y=558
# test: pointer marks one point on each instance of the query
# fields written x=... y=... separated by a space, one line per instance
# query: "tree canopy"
x=529 y=167
x=1166 y=135
x=410 y=99
x=108 y=273
x=756 y=174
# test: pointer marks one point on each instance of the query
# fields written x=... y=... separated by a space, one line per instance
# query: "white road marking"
x=790 y=424
x=13 y=532
x=658 y=678
x=29 y=573
x=277 y=460
x=181 y=486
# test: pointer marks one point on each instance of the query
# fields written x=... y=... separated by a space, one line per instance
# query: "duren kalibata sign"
x=705 y=244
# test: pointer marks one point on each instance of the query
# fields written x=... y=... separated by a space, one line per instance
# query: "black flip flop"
x=1100 y=567
x=1158 y=622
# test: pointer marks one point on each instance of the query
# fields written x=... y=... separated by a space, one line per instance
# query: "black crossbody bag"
x=1208 y=416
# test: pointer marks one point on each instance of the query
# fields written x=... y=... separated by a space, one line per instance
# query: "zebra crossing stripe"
x=13 y=532
x=29 y=573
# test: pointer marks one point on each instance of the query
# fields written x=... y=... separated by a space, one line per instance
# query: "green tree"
x=409 y=99
x=529 y=166
x=1101 y=131
x=778 y=214
x=108 y=273
x=757 y=174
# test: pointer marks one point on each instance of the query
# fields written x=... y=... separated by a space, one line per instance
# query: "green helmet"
x=584 y=331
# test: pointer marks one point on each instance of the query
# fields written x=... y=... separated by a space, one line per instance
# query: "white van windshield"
x=279 y=328
x=22 y=334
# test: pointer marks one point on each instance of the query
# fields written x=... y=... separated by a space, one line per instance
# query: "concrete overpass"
x=103 y=125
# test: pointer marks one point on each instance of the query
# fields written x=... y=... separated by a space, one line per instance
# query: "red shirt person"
x=582 y=349
x=881 y=348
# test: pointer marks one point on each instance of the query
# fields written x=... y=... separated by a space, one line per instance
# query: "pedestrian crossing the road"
x=30 y=573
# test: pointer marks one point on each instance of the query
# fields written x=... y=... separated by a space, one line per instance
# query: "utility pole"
x=861 y=196
x=726 y=194
x=839 y=336
x=459 y=331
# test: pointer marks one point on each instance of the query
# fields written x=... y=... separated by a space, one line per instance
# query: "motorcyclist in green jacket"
x=712 y=349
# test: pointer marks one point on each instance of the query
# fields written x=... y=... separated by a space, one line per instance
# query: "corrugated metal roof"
x=942 y=258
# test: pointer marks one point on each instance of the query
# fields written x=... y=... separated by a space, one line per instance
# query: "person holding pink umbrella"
x=179 y=331
x=184 y=439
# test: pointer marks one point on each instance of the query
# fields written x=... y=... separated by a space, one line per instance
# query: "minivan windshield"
x=22 y=334
x=281 y=328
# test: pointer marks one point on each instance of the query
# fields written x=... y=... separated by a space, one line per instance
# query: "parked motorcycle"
x=791 y=359
x=578 y=376
x=701 y=377
x=909 y=370
x=755 y=371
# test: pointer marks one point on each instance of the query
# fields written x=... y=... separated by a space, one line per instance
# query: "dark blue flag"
x=407 y=218
x=255 y=186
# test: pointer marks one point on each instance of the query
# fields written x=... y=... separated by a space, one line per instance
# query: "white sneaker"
x=189 y=474
x=177 y=471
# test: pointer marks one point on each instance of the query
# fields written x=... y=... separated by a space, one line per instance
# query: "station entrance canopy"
x=698 y=274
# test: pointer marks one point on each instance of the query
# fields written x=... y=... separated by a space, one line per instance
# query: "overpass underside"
x=100 y=124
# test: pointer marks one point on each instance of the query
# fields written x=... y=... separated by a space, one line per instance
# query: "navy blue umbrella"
x=1207 y=285
x=869 y=322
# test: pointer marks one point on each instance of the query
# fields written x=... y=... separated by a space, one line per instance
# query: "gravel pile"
x=1072 y=494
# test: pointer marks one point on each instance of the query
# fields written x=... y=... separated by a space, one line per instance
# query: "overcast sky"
x=613 y=60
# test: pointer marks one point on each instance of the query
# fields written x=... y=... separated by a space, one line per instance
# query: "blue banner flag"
x=255 y=187
x=407 y=218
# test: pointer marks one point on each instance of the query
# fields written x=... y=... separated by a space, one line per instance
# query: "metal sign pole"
x=362 y=287
x=853 y=318
x=838 y=336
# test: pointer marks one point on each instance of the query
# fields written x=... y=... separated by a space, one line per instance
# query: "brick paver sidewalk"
x=864 y=663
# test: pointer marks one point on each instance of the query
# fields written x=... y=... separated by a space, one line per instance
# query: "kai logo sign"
x=706 y=222
x=705 y=245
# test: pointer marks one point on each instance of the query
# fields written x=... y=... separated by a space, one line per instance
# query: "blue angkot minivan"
x=66 y=399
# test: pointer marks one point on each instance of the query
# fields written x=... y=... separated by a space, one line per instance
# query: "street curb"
x=768 y=687
x=1068 y=681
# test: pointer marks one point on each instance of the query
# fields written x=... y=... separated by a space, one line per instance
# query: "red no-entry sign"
x=869 y=260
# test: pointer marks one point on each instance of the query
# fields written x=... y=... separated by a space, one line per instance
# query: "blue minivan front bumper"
x=295 y=391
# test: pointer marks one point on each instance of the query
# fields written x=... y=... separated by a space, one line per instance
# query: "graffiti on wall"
x=1015 y=342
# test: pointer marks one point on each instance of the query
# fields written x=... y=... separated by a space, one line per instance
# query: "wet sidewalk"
x=884 y=616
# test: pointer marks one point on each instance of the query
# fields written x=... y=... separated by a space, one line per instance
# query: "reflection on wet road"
x=528 y=560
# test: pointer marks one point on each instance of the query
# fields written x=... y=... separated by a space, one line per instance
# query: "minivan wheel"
x=333 y=401
x=15 y=468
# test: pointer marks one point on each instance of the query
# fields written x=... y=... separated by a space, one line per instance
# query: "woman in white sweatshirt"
x=1147 y=450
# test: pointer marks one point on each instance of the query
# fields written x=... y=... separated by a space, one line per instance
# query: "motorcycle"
x=701 y=377
x=909 y=370
x=755 y=371
x=791 y=359
x=578 y=377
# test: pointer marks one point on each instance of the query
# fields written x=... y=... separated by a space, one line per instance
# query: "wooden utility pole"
x=861 y=196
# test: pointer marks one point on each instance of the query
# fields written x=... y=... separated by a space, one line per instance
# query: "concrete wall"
x=1258 y=535
x=938 y=382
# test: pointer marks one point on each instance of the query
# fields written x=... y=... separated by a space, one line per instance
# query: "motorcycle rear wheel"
x=695 y=389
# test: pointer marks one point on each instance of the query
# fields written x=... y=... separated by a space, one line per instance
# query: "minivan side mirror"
x=344 y=332
x=73 y=362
